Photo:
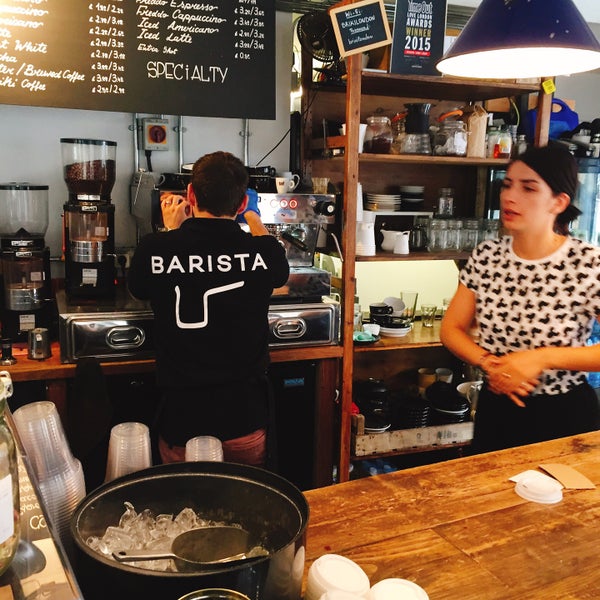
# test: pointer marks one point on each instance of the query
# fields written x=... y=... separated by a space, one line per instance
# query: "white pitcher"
x=401 y=244
x=389 y=240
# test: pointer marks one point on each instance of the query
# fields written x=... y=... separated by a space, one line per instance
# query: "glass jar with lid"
x=437 y=238
x=9 y=482
x=379 y=136
x=451 y=139
x=454 y=240
x=470 y=234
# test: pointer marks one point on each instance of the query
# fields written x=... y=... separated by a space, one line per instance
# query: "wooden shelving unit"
x=365 y=93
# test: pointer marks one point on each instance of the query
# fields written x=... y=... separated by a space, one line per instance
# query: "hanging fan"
x=317 y=38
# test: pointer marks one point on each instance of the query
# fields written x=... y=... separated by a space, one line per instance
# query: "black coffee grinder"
x=88 y=219
x=26 y=301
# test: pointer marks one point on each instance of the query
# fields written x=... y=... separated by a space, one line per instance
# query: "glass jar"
x=450 y=139
x=445 y=207
x=399 y=133
x=503 y=146
x=437 y=239
x=379 y=136
x=470 y=234
x=454 y=241
x=490 y=229
x=9 y=482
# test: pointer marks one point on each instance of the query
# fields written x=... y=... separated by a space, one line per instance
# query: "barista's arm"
x=255 y=223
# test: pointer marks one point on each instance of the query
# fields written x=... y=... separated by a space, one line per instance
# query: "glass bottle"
x=503 y=146
x=399 y=133
x=9 y=482
x=378 y=137
x=491 y=140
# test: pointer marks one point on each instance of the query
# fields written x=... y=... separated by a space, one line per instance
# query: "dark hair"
x=557 y=167
x=220 y=181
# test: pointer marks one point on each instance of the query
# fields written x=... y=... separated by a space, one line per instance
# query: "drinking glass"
x=428 y=314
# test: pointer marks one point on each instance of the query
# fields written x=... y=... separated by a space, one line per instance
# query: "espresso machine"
x=296 y=220
x=301 y=312
x=88 y=218
x=26 y=301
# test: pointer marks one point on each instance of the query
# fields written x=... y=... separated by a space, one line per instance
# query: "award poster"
x=418 y=38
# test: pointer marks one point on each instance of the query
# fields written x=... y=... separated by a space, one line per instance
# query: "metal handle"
x=286 y=329
x=125 y=337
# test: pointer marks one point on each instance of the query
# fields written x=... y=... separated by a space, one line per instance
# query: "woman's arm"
x=455 y=328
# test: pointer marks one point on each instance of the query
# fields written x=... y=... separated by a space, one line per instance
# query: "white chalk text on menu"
x=205 y=58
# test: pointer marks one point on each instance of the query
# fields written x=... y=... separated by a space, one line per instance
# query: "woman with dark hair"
x=533 y=296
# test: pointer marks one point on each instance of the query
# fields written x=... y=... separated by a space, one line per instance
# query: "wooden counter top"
x=459 y=530
x=52 y=368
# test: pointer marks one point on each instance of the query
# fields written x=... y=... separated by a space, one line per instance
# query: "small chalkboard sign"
x=360 y=26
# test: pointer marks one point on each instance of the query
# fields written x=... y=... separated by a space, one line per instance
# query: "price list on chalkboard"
x=207 y=58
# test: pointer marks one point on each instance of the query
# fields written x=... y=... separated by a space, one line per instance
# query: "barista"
x=209 y=284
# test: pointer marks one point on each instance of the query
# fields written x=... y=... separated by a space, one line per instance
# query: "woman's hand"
x=516 y=374
x=175 y=209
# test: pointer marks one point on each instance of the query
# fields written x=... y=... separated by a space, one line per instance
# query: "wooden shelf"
x=391 y=257
x=419 y=337
x=435 y=88
x=423 y=159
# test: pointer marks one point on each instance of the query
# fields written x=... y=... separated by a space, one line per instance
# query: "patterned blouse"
x=524 y=304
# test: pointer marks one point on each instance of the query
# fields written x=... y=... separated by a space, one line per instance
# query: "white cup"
x=285 y=185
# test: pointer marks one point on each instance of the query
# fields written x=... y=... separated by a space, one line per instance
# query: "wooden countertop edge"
x=52 y=368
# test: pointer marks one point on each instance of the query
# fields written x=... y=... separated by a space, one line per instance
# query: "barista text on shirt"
x=207 y=264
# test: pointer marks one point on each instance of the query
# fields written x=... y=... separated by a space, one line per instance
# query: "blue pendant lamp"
x=515 y=39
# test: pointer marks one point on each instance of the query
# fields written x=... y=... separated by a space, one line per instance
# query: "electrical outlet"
x=156 y=134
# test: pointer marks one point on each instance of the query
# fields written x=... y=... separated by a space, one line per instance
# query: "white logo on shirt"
x=210 y=292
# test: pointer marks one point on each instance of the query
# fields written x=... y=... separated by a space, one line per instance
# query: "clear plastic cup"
x=128 y=449
x=204 y=447
x=41 y=432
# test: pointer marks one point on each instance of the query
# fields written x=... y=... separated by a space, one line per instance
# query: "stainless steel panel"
x=315 y=324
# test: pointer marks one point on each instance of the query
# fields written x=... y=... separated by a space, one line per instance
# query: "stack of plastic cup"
x=59 y=474
x=334 y=573
x=128 y=450
x=204 y=447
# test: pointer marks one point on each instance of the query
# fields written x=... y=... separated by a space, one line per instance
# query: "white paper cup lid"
x=537 y=489
x=397 y=589
x=332 y=572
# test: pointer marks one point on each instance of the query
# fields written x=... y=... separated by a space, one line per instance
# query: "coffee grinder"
x=26 y=302
x=88 y=219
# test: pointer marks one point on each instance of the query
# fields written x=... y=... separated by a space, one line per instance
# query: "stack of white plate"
x=395 y=331
x=383 y=202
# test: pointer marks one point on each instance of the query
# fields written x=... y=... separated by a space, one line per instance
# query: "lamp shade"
x=513 y=39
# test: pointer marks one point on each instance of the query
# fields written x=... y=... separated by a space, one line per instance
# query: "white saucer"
x=395 y=331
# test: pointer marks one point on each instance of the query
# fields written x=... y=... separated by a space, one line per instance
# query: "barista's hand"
x=175 y=209
x=515 y=374
x=252 y=205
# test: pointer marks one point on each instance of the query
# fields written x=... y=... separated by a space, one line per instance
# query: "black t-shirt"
x=209 y=284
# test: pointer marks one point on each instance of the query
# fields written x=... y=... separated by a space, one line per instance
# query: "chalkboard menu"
x=211 y=58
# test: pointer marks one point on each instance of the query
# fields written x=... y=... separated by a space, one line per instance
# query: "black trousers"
x=500 y=423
